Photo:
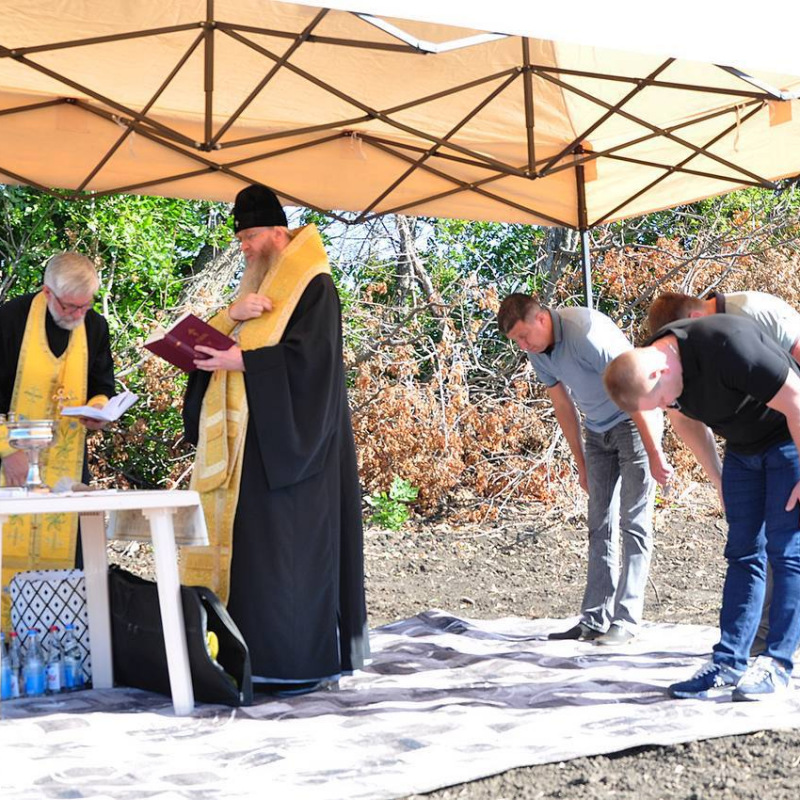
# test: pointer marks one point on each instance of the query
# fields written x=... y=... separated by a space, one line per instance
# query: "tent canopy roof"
x=765 y=41
x=340 y=110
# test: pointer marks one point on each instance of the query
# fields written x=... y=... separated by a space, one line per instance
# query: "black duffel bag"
x=140 y=657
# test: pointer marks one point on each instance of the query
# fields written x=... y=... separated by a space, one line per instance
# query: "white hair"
x=71 y=273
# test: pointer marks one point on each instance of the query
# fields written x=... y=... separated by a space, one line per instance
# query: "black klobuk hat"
x=255 y=207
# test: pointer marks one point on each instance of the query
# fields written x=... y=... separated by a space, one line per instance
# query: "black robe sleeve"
x=193 y=402
x=13 y=316
x=100 y=378
x=295 y=388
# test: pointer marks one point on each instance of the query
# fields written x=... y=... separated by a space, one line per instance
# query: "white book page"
x=112 y=410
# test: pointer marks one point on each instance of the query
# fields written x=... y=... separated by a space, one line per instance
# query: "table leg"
x=169 y=599
x=3 y=520
x=95 y=570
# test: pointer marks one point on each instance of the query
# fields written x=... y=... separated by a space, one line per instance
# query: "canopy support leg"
x=586 y=263
x=583 y=225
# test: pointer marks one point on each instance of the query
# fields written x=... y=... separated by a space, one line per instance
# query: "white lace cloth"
x=133 y=525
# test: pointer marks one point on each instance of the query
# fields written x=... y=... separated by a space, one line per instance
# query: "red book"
x=177 y=344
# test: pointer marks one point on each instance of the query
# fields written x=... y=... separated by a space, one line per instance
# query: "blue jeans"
x=755 y=489
x=621 y=494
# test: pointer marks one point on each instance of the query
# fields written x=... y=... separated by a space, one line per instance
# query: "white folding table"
x=157 y=507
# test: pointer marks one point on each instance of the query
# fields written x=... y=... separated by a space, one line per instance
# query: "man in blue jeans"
x=724 y=374
x=569 y=349
x=776 y=318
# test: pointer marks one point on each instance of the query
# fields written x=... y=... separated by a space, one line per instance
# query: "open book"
x=111 y=411
x=177 y=344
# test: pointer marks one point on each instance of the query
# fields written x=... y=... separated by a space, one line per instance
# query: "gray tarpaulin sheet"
x=445 y=700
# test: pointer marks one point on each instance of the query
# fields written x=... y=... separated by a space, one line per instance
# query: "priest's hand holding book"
x=251 y=306
x=182 y=344
x=230 y=359
x=93 y=424
x=97 y=415
x=193 y=344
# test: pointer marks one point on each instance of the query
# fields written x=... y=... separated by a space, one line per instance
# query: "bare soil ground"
x=531 y=563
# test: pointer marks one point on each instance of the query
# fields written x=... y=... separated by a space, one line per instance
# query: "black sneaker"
x=581 y=633
x=709 y=679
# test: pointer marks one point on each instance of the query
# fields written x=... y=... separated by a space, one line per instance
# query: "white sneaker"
x=764 y=679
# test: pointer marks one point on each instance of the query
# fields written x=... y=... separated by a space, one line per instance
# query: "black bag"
x=140 y=658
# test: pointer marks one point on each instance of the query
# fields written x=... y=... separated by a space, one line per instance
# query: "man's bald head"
x=642 y=379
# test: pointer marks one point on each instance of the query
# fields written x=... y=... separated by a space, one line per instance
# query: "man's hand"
x=583 y=479
x=721 y=499
x=650 y=425
x=787 y=401
x=230 y=359
x=250 y=306
x=794 y=497
x=15 y=468
x=569 y=422
x=93 y=424
x=660 y=468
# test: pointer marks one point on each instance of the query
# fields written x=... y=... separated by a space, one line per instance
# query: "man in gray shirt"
x=569 y=349
x=776 y=318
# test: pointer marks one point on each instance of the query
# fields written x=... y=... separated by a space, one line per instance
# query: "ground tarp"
x=445 y=701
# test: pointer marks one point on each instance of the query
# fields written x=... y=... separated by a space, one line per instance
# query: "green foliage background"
x=145 y=248
x=148 y=249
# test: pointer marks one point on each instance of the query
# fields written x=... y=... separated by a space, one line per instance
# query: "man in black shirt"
x=775 y=317
x=723 y=374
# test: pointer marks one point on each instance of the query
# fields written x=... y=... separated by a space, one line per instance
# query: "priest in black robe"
x=100 y=373
x=296 y=580
x=54 y=351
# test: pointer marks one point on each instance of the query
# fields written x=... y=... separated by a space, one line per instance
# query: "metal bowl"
x=31 y=434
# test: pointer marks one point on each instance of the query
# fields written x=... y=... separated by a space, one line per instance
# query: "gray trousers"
x=621 y=497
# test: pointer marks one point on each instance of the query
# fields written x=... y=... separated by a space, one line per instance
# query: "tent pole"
x=583 y=226
x=586 y=262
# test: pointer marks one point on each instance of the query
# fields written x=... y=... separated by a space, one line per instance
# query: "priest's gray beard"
x=255 y=272
x=67 y=323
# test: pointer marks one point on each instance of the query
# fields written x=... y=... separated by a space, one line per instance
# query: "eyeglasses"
x=71 y=308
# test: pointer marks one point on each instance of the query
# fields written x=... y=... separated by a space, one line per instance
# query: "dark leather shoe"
x=615 y=635
x=581 y=633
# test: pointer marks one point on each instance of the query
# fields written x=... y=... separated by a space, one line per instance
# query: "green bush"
x=391 y=509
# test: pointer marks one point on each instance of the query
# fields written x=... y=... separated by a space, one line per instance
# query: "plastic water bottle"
x=33 y=668
x=15 y=662
x=54 y=670
x=72 y=659
x=5 y=674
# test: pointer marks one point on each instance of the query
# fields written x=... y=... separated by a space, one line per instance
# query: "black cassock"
x=100 y=371
x=297 y=574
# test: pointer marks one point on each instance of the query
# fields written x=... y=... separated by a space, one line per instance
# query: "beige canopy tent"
x=345 y=110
